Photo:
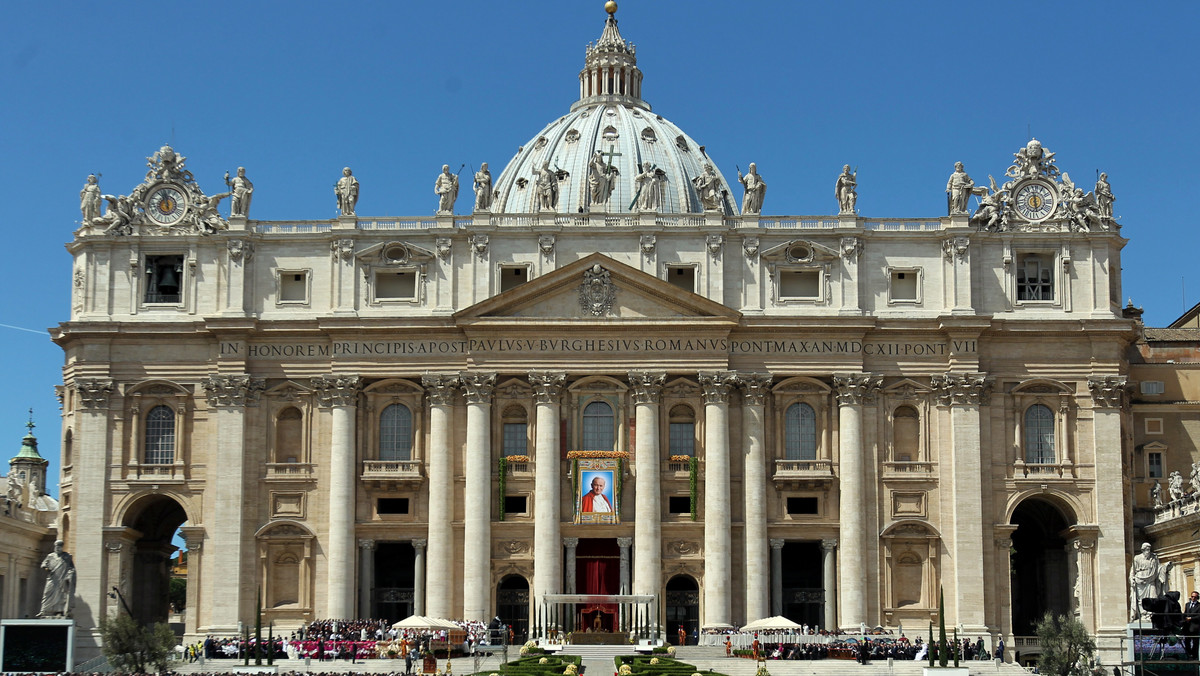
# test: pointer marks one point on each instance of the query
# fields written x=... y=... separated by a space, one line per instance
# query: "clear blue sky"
x=295 y=91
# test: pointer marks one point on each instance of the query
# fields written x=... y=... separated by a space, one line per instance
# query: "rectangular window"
x=682 y=276
x=516 y=439
x=905 y=286
x=1035 y=279
x=164 y=279
x=1154 y=465
x=679 y=504
x=516 y=504
x=513 y=276
x=392 y=506
x=801 y=505
x=293 y=286
x=395 y=285
x=1153 y=387
x=800 y=284
x=683 y=438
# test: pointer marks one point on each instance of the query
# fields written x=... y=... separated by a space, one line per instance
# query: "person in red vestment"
x=594 y=501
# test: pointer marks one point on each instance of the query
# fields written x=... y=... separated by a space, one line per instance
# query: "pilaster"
x=570 y=545
x=963 y=393
x=91 y=504
x=339 y=394
x=366 y=577
x=229 y=395
x=418 y=545
x=1108 y=400
x=755 y=388
x=829 y=581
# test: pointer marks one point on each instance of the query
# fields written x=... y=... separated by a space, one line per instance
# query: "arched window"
x=289 y=435
x=160 y=436
x=516 y=431
x=395 y=433
x=598 y=427
x=906 y=434
x=1039 y=434
x=682 y=432
x=800 y=432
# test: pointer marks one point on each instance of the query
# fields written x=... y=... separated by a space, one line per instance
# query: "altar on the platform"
x=597 y=619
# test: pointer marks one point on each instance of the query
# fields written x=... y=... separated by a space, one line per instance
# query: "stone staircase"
x=598 y=661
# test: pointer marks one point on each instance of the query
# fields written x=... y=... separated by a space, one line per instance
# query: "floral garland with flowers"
x=693 y=466
x=591 y=455
x=681 y=458
x=503 y=471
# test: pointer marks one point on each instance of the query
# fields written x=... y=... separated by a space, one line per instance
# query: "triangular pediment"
x=597 y=288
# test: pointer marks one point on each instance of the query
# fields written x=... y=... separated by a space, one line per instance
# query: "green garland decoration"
x=503 y=471
x=620 y=466
x=693 y=465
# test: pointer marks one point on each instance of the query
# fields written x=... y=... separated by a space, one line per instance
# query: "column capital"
x=366 y=544
x=856 y=389
x=755 y=387
x=233 y=391
x=94 y=393
x=419 y=543
x=1003 y=535
x=478 y=386
x=1108 y=391
x=439 y=388
x=193 y=536
x=647 y=386
x=547 y=385
x=336 y=390
x=961 y=389
x=717 y=385
x=777 y=543
x=829 y=545
x=624 y=543
x=570 y=543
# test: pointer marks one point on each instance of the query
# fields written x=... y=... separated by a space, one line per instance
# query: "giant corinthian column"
x=477 y=521
x=718 y=573
x=755 y=387
x=339 y=393
x=853 y=567
x=647 y=529
x=439 y=389
x=547 y=538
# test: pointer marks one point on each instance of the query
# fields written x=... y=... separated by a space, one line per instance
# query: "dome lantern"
x=610 y=73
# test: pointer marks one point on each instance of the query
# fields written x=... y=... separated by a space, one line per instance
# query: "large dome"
x=610 y=118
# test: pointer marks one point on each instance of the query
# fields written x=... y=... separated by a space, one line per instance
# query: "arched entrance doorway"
x=683 y=606
x=155 y=519
x=512 y=605
x=1040 y=579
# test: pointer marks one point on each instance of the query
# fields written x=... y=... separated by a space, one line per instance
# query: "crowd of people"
x=863 y=648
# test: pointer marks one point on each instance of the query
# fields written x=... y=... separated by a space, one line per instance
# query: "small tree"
x=943 y=649
x=1067 y=648
x=134 y=649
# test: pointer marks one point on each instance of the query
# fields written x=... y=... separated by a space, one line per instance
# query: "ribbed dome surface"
x=637 y=134
x=610 y=117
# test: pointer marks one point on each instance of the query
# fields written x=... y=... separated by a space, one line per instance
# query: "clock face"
x=1035 y=201
x=166 y=205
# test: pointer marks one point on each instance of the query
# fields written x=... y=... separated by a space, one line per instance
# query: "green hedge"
x=530 y=666
x=667 y=666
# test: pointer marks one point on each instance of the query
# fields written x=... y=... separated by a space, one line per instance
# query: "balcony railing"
x=1044 y=470
x=289 y=470
x=1188 y=504
x=164 y=472
x=519 y=468
x=391 y=470
x=909 y=469
x=678 y=467
x=805 y=467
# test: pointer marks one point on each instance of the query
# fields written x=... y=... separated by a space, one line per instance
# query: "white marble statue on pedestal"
x=756 y=190
x=241 y=190
x=958 y=190
x=483 y=188
x=60 y=583
x=89 y=200
x=446 y=188
x=346 y=190
x=1147 y=580
x=846 y=190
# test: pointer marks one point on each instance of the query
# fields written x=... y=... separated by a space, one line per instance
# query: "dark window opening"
x=802 y=505
x=679 y=504
x=164 y=279
x=515 y=504
x=392 y=506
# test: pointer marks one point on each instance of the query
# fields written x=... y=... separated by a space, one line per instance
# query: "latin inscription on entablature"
x=537 y=348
